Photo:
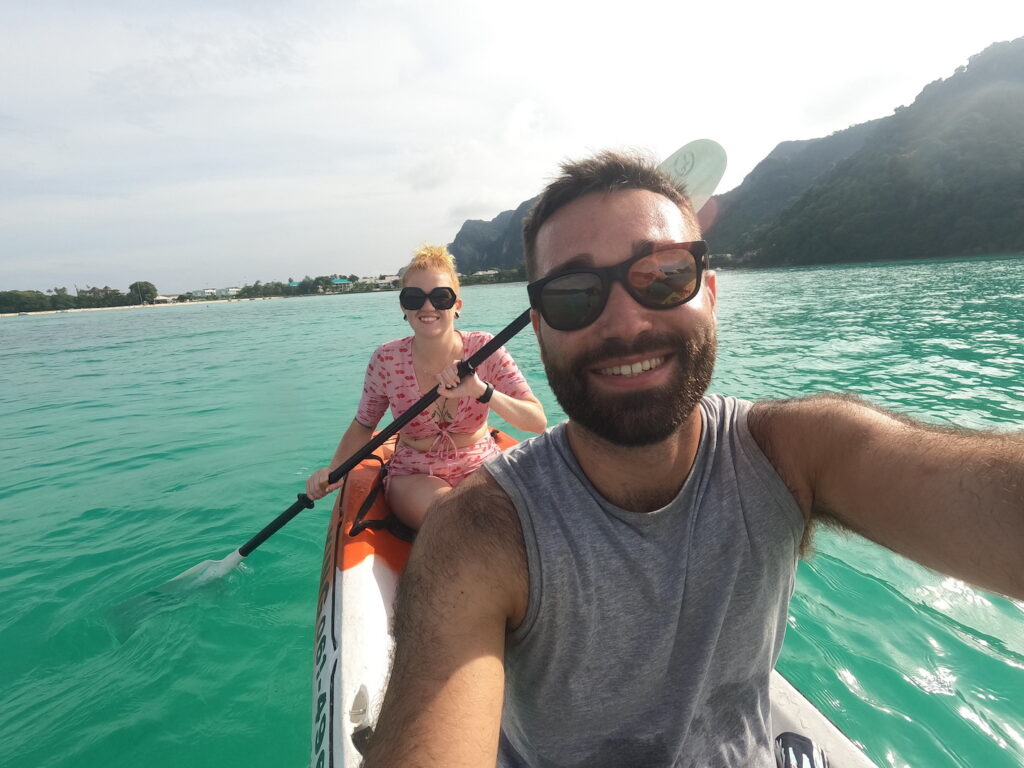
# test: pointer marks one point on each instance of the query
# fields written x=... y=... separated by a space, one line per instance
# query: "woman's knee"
x=411 y=496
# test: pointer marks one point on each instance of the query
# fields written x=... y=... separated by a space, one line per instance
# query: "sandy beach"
x=139 y=306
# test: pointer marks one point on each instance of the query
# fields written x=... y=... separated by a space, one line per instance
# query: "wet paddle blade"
x=206 y=571
x=127 y=617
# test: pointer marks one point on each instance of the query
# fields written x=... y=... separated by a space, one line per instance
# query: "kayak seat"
x=390 y=523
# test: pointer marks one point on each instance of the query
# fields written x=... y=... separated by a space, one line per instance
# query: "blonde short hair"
x=433 y=258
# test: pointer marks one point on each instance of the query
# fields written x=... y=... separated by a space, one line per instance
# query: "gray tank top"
x=649 y=639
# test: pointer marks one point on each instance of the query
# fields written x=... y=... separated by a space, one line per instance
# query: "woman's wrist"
x=485 y=396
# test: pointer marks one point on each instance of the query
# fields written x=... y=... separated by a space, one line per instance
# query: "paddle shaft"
x=466 y=367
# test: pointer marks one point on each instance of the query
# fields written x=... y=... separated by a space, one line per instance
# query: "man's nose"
x=623 y=315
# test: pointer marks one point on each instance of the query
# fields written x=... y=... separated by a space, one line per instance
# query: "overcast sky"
x=207 y=144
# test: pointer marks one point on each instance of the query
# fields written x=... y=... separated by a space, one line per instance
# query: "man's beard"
x=634 y=418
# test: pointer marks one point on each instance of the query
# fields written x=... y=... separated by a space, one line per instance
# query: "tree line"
x=144 y=292
x=310 y=286
x=307 y=286
x=58 y=299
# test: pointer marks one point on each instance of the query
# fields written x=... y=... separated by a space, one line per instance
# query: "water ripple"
x=137 y=444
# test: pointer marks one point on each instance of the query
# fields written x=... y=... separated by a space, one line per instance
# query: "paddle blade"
x=208 y=570
x=128 y=616
x=699 y=165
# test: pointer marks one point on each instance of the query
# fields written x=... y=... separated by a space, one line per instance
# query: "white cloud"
x=224 y=142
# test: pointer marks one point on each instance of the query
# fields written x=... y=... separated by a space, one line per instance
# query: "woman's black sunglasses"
x=659 y=277
x=440 y=298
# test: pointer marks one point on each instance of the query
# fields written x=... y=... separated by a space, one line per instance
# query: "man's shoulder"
x=775 y=424
x=476 y=517
x=472 y=538
x=550 y=439
x=807 y=415
x=724 y=405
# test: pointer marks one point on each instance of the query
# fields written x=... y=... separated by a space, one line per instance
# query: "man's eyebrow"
x=586 y=260
x=579 y=261
x=646 y=246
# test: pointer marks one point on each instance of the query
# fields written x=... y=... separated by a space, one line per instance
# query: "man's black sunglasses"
x=440 y=298
x=660 y=276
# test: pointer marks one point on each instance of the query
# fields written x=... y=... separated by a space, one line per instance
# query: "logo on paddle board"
x=681 y=165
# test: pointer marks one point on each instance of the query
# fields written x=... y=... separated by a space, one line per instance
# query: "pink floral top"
x=391 y=380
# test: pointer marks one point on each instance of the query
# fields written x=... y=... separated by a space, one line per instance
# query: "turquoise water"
x=136 y=443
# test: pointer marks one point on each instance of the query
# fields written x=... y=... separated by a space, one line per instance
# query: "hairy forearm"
x=972 y=488
x=950 y=499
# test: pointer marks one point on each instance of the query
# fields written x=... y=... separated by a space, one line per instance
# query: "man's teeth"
x=634 y=369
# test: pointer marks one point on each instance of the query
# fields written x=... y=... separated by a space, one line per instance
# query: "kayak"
x=364 y=554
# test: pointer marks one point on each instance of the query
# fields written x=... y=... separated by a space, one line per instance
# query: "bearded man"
x=614 y=592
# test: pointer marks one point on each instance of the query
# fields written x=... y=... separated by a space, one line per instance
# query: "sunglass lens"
x=665 y=278
x=442 y=298
x=414 y=298
x=573 y=301
x=411 y=298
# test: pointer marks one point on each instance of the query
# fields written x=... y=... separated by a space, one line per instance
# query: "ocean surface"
x=135 y=444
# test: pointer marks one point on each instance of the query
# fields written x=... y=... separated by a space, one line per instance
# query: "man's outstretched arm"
x=464 y=585
x=950 y=499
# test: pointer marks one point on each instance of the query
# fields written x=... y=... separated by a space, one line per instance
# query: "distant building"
x=341 y=285
x=388 y=281
x=485 y=272
x=205 y=293
x=228 y=292
x=98 y=292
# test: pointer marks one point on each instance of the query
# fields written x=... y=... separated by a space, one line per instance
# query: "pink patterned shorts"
x=452 y=466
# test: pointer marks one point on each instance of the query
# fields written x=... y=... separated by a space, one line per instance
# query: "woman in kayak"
x=440 y=447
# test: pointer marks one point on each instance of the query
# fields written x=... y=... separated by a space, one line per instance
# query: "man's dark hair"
x=606 y=171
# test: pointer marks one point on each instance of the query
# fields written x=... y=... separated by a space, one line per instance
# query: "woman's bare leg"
x=410 y=496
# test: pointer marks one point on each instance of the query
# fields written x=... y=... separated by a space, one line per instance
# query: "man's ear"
x=711 y=285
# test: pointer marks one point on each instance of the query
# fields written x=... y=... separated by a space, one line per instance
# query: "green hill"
x=778 y=182
x=495 y=244
x=941 y=177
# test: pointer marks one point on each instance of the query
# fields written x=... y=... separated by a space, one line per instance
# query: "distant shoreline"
x=137 y=306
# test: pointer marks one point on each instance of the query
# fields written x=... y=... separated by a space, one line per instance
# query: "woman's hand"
x=450 y=386
x=318 y=486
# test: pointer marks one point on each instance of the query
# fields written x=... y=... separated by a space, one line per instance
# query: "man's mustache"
x=617 y=348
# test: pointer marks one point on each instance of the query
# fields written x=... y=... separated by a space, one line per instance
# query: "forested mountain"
x=495 y=244
x=779 y=181
x=941 y=177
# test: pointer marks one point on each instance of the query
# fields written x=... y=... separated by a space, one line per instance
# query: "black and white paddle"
x=212 y=569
